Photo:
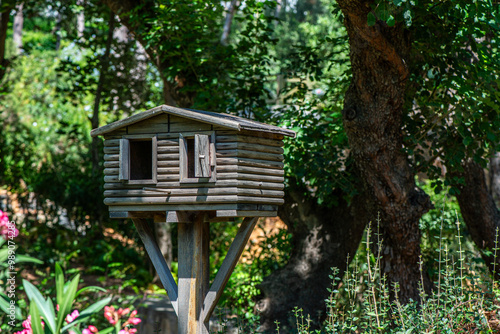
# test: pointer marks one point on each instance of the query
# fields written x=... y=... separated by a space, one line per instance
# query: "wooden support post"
x=193 y=275
x=158 y=260
x=191 y=298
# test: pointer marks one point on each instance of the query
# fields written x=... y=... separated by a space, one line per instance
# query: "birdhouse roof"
x=224 y=120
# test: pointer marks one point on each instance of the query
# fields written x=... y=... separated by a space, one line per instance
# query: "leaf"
x=67 y=301
x=107 y=330
x=391 y=22
x=96 y=288
x=36 y=322
x=59 y=284
x=26 y=258
x=371 y=19
x=42 y=305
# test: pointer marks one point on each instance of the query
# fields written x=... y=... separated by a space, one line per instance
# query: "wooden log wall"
x=249 y=171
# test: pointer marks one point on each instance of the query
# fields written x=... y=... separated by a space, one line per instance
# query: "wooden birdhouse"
x=192 y=167
x=169 y=159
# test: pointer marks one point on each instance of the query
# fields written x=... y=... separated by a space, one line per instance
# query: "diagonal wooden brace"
x=227 y=267
x=158 y=260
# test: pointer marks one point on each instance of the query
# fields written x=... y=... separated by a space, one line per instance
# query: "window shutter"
x=124 y=160
x=202 y=156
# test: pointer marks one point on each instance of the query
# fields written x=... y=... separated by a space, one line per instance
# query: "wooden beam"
x=193 y=275
x=158 y=260
x=228 y=265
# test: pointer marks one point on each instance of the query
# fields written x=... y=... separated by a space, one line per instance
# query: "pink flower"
x=93 y=329
x=7 y=230
x=86 y=331
x=27 y=323
x=134 y=321
x=110 y=314
x=71 y=317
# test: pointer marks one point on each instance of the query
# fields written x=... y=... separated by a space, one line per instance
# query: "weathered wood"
x=112 y=150
x=169 y=142
x=111 y=171
x=193 y=247
x=227 y=267
x=248 y=139
x=191 y=200
x=183 y=157
x=168 y=149
x=168 y=156
x=175 y=135
x=250 y=170
x=115 y=178
x=240 y=213
x=111 y=142
x=124 y=159
x=249 y=147
x=202 y=166
x=147 y=190
x=169 y=170
x=109 y=185
x=190 y=207
x=187 y=125
x=168 y=163
x=249 y=154
x=213 y=158
x=251 y=177
x=110 y=157
x=177 y=217
x=158 y=261
x=124 y=122
x=250 y=162
x=170 y=200
x=157 y=192
x=257 y=134
x=168 y=177
x=155 y=124
x=111 y=164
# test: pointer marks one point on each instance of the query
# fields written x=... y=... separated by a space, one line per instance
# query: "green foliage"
x=263 y=256
x=463 y=299
x=66 y=294
x=453 y=101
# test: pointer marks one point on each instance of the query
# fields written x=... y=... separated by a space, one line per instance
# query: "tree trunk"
x=233 y=6
x=372 y=117
x=480 y=213
x=17 y=29
x=4 y=24
x=95 y=148
x=322 y=238
x=494 y=178
x=80 y=19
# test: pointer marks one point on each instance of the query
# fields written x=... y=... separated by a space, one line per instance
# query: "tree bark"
x=322 y=238
x=494 y=178
x=4 y=24
x=95 y=148
x=17 y=29
x=233 y=6
x=372 y=117
x=480 y=213
x=80 y=19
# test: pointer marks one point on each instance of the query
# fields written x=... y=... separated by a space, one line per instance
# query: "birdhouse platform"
x=173 y=165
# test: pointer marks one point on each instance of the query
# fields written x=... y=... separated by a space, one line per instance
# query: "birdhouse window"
x=197 y=157
x=138 y=160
